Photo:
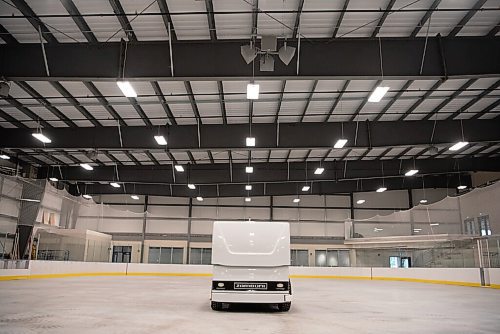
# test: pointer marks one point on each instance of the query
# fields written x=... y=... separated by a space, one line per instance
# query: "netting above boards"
x=448 y=216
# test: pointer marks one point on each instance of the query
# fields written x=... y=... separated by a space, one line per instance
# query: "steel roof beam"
x=465 y=57
x=276 y=172
x=269 y=135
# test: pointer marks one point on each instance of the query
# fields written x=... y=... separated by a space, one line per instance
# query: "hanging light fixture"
x=461 y=144
x=379 y=92
x=383 y=187
x=86 y=166
x=126 y=88
x=41 y=137
x=253 y=91
x=319 y=171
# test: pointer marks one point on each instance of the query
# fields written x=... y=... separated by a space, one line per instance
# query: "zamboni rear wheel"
x=216 y=306
x=284 y=307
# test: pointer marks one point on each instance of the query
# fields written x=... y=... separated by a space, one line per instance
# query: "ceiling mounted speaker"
x=4 y=89
x=266 y=63
x=92 y=155
x=286 y=54
x=268 y=43
x=433 y=150
x=248 y=52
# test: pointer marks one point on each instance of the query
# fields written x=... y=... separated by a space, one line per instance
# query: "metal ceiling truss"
x=450 y=98
x=341 y=17
x=67 y=95
x=33 y=93
x=280 y=101
x=192 y=100
x=122 y=18
x=211 y=20
x=79 y=20
x=470 y=57
x=337 y=101
x=7 y=36
x=97 y=94
x=476 y=99
x=163 y=102
x=364 y=102
x=296 y=31
x=35 y=21
x=167 y=19
x=394 y=99
x=426 y=17
x=383 y=18
x=330 y=187
x=466 y=18
x=421 y=99
x=269 y=136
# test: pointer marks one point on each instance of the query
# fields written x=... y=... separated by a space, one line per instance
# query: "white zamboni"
x=251 y=263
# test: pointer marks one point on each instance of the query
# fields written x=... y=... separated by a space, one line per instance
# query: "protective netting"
x=475 y=213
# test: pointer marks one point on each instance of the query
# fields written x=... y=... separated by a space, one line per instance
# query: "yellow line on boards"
x=41 y=276
x=11 y=278
x=375 y=278
x=74 y=275
x=422 y=280
x=331 y=277
x=170 y=274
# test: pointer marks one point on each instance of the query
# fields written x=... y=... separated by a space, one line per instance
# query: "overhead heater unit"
x=267 y=50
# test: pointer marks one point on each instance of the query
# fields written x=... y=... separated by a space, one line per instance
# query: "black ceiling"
x=443 y=72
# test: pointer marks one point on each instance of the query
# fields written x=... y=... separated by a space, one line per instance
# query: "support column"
x=351 y=201
x=190 y=215
x=271 y=209
x=144 y=222
x=410 y=199
x=410 y=205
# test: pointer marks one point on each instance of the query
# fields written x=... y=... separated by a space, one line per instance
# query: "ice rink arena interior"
x=249 y=166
